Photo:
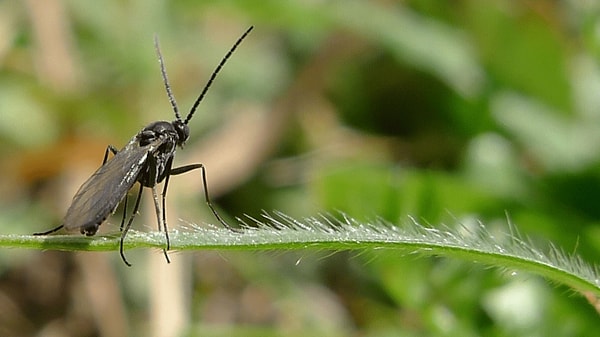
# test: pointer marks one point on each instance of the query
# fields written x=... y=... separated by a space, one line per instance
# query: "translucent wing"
x=100 y=195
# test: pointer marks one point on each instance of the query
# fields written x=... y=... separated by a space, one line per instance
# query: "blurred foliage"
x=439 y=110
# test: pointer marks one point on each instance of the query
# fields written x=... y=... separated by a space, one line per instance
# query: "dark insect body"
x=147 y=159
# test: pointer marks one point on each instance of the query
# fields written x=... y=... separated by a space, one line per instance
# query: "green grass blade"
x=279 y=231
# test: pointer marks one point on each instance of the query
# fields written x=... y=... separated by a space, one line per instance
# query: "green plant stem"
x=280 y=231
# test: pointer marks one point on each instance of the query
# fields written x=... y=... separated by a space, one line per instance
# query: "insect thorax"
x=161 y=139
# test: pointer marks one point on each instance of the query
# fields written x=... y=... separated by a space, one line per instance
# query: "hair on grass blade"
x=146 y=159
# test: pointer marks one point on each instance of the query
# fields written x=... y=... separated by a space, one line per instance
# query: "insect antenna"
x=210 y=81
x=163 y=71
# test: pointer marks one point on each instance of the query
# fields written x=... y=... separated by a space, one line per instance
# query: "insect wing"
x=100 y=195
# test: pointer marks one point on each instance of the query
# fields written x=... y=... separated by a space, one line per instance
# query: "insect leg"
x=124 y=213
x=164 y=203
x=126 y=229
x=55 y=229
x=158 y=218
x=109 y=148
x=184 y=169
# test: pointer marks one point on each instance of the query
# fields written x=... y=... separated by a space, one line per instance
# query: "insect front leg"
x=164 y=203
x=187 y=168
x=158 y=217
x=151 y=178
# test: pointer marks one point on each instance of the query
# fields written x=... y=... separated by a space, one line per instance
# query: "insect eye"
x=183 y=131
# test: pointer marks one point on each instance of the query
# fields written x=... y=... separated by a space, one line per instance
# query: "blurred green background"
x=446 y=111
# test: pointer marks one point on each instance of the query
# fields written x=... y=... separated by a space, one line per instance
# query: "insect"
x=147 y=159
